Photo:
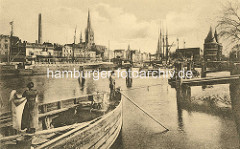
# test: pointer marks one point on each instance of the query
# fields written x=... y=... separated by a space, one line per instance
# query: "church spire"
x=89 y=19
x=89 y=34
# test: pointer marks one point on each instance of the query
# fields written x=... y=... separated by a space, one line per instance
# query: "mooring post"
x=178 y=67
x=187 y=93
x=235 y=98
x=183 y=91
x=203 y=70
x=189 y=66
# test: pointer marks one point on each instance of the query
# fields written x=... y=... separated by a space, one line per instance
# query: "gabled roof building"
x=212 y=47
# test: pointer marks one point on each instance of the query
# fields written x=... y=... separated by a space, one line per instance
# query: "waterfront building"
x=129 y=54
x=189 y=53
x=25 y=51
x=108 y=54
x=136 y=55
x=145 y=56
x=18 y=52
x=57 y=51
x=5 y=45
x=38 y=51
x=212 y=47
x=79 y=51
x=91 y=55
x=120 y=53
x=33 y=50
x=67 y=51
x=99 y=49
x=87 y=48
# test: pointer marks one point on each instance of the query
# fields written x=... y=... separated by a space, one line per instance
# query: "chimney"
x=40 y=28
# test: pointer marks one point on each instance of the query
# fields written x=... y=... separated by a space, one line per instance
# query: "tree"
x=229 y=23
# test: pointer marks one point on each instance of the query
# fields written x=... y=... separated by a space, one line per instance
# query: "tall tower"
x=212 y=47
x=39 y=28
x=89 y=34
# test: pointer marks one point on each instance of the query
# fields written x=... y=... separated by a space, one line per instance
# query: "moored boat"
x=73 y=123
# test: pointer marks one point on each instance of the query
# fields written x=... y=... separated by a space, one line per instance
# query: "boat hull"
x=99 y=134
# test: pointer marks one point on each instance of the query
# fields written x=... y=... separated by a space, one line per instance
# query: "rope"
x=142 y=87
x=144 y=111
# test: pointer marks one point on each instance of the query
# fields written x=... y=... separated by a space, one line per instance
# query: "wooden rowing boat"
x=72 y=123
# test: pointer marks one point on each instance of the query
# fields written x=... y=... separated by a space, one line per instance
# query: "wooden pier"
x=183 y=86
x=211 y=80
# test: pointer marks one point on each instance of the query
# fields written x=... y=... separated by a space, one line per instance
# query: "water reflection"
x=180 y=116
x=192 y=123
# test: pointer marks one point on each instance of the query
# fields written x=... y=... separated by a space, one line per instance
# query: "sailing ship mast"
x=10 y=48
x=166 y=45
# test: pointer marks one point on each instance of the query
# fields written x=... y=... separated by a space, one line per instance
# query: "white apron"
x=17 y=106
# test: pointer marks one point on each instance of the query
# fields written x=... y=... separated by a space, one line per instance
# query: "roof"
x=100 y=49
x=210 y=37
x=119 y=50
x=197 y=48
x=194 y=50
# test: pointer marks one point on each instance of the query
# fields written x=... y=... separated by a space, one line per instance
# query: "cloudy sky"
x=122 y=22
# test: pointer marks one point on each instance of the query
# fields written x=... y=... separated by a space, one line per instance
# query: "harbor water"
x=199 y=124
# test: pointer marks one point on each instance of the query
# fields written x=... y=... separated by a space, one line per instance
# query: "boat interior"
x=56 y=118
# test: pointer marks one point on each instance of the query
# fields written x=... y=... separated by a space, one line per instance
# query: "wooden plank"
x=44 y=132
x=211 y=80
x=110 y=136
x=56 y=111
x=5 y=120
x=6 y=124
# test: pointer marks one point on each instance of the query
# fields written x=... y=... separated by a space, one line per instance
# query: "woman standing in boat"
x=30 y=112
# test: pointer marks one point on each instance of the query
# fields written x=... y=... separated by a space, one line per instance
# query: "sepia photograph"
x=119 y=74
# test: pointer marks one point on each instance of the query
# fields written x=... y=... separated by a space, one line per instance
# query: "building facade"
x=145 y=56
x=120 y=53
x=57 y=51
x=108 y=54
x=67 y=51
x=6 y=42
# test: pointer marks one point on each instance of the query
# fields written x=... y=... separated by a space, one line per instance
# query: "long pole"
x=166 y=46
x=10 y=48
x=144 y=111
x=74 y=44
x=109 y=50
